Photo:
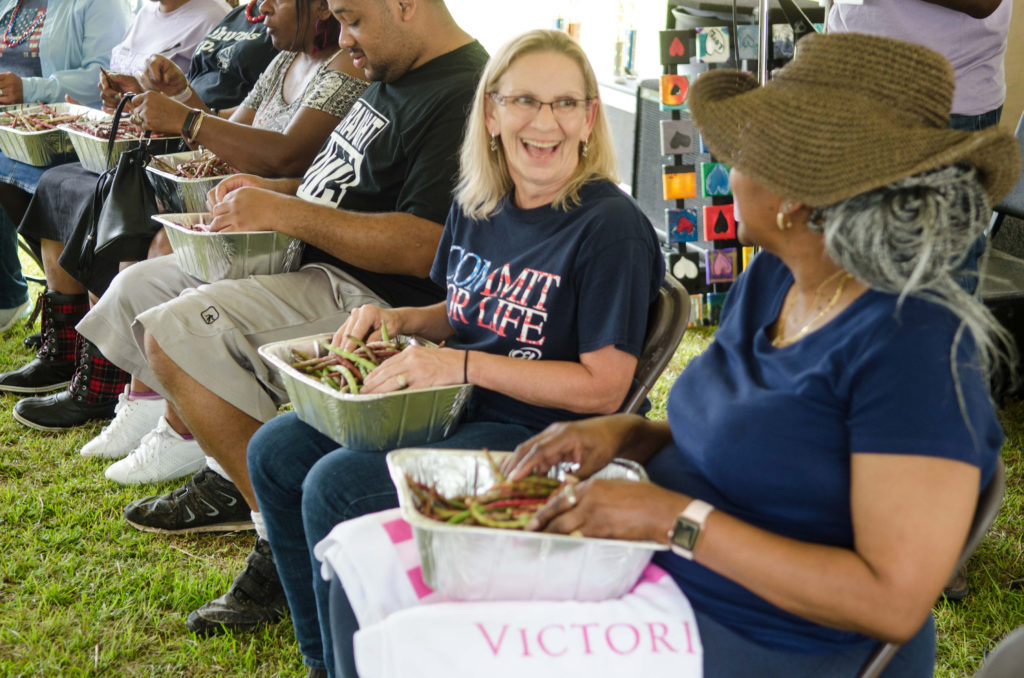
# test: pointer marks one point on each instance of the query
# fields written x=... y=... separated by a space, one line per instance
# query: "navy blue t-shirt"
x=229 y=60
x=543 y=284
x=766 y=434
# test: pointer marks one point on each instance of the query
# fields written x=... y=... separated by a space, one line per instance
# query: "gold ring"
x=570 y=495
x=576 y=533
x=1 y=91
x=402 y=383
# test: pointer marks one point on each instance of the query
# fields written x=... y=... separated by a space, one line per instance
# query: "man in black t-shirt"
x=370 y=209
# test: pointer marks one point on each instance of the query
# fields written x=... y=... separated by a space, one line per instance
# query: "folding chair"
x=1007 y=660
x=665 y=328
x=1013 y=203
x=989 y=502
x=27 y=249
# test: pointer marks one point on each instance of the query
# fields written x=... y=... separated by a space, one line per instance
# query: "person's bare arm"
x=248 y=149
x=263 y=152
x=368 y=321
x=979 y=9
x=389 y=242
x=911 y=515
x=160 y=74
x=590 y=444
x=597 y=384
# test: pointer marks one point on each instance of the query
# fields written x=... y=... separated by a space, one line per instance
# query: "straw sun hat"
x=848 y=114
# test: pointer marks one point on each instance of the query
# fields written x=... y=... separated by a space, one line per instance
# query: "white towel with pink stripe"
x=407 y=629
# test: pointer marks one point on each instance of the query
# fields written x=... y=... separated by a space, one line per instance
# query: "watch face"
x=685 y=533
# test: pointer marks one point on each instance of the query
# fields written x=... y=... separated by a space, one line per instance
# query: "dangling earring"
x=586 y=146
x=494 y=143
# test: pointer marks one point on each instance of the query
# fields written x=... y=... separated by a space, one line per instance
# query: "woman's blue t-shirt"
x=546 y=284
x=766 y=434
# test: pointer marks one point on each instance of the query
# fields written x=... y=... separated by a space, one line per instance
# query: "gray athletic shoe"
x=255 y=597
x=207 y=503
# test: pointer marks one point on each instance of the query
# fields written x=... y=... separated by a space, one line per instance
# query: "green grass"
x=84 y=594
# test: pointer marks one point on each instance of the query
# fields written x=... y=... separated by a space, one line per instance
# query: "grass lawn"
x=84 y=594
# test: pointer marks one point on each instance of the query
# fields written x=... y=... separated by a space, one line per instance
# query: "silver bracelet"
x=182 y=96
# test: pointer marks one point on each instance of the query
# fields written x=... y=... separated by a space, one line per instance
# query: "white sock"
x=215 y=466
x=261 y=527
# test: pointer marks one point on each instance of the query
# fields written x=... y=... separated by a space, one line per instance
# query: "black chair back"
x=665 y=328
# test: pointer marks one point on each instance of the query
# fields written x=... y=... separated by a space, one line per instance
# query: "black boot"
x=255 y=597
x=92 y=394
x=54 y=363
x=33 y=341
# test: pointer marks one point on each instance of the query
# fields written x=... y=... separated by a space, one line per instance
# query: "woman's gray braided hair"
x=910 y=238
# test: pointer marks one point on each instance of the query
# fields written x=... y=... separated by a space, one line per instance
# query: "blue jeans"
x=305 y=485
x=13 y=288
x=726 y=654
x=972 y=123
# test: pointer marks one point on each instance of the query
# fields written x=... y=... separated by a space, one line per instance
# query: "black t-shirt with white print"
x=229 y=60
x=397 y=151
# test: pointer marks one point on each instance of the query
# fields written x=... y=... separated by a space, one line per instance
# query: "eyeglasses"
x=528 y=106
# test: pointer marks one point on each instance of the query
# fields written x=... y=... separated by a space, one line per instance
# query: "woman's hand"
x=159 y=113
x=113 y=87
x=163 y=75
x=365 y=323
x=416 y=367
x=11 y=89
x=611 y=509
x=589 y=443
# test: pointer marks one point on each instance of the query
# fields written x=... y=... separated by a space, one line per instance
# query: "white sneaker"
x=132 y=420
x=161 y=455
x=9 y=316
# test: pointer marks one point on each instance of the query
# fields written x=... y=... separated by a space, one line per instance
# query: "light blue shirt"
x=78 y=36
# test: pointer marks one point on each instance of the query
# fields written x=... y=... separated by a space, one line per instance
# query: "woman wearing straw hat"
x=823 y=457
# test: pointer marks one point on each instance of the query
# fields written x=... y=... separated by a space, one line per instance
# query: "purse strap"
x=118 y=114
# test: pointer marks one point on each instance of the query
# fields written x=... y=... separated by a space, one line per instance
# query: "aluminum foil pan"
x=220 y=256
x=366 y=422
x=482 y=563
x=92 y=150
x=177 y=193
x=39 y=148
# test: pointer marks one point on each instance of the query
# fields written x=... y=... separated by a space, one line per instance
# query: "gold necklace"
x=780 y=341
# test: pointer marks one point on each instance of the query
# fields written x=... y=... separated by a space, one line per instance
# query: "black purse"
x=116 y=226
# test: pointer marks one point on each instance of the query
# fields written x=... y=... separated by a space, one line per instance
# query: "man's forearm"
x=392 y=242
x=286 y=185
